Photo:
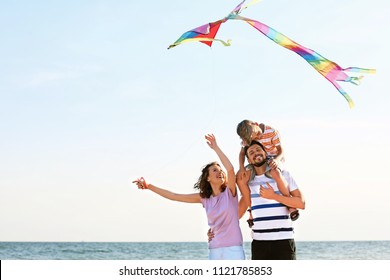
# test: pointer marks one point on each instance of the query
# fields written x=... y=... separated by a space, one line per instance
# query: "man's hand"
x=242 y=177
x=267 y=192
x=210 y=234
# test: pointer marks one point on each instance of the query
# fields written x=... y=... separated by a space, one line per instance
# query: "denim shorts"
x=227 y=253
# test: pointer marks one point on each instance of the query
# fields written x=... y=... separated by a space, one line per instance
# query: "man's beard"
x=258 y=164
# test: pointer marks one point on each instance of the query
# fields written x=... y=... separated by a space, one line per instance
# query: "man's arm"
x=296 y=200
x=242 y=178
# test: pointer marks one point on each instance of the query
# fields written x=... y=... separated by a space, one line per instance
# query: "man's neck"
x=260 y=170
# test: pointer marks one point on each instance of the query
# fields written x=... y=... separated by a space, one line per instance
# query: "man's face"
x=256 y=155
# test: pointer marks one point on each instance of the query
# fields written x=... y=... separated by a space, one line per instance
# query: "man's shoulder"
x=285 y=173
x=290 y=179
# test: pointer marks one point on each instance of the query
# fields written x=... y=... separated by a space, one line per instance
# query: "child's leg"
x=294 y=213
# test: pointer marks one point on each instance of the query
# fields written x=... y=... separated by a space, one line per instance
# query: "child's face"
x=256 y=131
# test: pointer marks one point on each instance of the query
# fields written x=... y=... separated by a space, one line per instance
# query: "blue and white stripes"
x=271 y=218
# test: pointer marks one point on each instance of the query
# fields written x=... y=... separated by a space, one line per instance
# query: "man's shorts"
x=274 y=249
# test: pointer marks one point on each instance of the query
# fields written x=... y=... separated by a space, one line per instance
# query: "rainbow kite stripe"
x=327 y=68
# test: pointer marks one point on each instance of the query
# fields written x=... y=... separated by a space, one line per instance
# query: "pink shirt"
x=222 y=216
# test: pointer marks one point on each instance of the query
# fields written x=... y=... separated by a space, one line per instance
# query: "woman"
x=218 y=195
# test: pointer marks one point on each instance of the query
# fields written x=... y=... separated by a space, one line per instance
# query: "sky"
x=91 y=99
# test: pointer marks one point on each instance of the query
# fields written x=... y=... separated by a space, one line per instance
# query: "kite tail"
x=343 y=93
x=346 y=96
x=360 y=70
x=327 y=68
x=239 y=9
x=355 y=80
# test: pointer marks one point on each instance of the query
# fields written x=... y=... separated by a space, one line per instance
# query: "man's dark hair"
x=254 y=142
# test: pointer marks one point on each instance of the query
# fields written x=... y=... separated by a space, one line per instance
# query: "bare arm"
x=245 y=200
x=241 y=159
x=231 y=175
x=280 y=181
x=274 y=162
x=296 y=199
x=280 y=154
x=188 y=198
x=242 y=207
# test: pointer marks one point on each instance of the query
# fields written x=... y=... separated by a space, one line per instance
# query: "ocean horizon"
x=306 y=250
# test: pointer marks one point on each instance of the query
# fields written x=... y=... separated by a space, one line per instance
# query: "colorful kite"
x=327 y=68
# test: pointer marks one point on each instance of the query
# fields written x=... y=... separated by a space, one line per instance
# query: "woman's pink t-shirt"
x=222 y=216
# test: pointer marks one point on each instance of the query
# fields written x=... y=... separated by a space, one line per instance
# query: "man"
x=273 y=235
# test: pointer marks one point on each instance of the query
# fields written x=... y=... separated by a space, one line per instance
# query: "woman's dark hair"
x=202 y=184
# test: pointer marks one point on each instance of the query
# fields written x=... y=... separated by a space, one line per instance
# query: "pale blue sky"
x=90 y=98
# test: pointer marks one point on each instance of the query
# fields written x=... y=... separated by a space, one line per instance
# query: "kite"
x=327 y=68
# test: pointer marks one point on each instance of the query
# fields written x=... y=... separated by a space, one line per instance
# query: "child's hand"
x=244 y=143
x=275 y=174
x=267 y=192
x=211 y=141
x=141 y=183
x=273 y=163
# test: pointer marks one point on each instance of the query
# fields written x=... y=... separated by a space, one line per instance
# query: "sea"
x=306 y=250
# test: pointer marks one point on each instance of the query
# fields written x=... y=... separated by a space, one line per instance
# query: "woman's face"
x=216 y=175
